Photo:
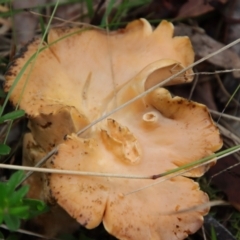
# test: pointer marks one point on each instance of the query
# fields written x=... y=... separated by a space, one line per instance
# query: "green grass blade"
x=42 y=25
x=107 y=12
x=18 y=77
x=14 y=180
x=16 y=196
x=90 y=8
x=12 y=115
x=213 y=233
x=12 y=222
x=4 y=149
x=198 y=162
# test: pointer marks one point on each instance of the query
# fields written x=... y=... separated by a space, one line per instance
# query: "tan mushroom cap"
x=73 y=79
x=182 y=129
x=155 y=134
x=87 y=60
x=141 y=215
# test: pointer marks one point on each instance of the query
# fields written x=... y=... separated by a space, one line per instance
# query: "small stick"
x=224 y=115
x=177 y=173
x=71 y=172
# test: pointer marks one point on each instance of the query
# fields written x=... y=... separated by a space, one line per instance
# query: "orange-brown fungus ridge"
x=82 y=74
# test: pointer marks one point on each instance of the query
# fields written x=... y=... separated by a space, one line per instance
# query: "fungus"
x=69 y=74
x=88 y=73
x=152 y=135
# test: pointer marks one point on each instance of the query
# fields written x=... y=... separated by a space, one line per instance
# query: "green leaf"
x=12 y=222
x=3 y=192
x=20 y=212
x=14 y=181
x=12 y=115
x=36 y=207
x=13 y=205
x=4 y=149
x=17 y=196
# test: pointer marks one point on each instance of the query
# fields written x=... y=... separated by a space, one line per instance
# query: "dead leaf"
x=195 y=8
x=228 y=181
x=165 y=8
x=204 y=45
x=25 y=23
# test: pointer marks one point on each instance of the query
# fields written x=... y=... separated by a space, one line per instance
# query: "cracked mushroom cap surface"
x=73 y=66
x=154 y=134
